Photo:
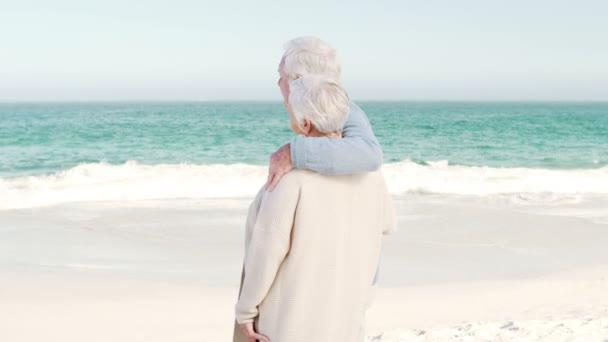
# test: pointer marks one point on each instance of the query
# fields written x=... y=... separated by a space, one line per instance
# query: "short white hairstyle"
x=310 y=55
x=321 y=100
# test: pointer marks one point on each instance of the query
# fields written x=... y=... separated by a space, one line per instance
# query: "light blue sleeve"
x=357 y=151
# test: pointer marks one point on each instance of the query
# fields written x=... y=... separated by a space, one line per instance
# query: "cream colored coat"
x=311 y=251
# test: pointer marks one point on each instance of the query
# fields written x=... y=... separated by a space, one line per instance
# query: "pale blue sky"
x=219 y=50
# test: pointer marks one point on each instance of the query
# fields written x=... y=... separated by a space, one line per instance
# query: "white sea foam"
x=135 y=181
x=440 y=177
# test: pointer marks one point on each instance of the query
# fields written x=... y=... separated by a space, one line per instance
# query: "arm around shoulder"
x=357 y=151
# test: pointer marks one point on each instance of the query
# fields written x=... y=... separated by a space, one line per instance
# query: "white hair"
x=320 y=99
x=310 y=55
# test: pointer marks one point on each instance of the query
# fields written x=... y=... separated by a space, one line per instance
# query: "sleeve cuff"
x=244 y=316
x=298 y=151
x=243 y=321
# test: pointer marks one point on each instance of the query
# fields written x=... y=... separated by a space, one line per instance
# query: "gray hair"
x=310 y=55
x=320 y=99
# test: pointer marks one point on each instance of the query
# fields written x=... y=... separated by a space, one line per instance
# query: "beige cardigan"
x=311 y=251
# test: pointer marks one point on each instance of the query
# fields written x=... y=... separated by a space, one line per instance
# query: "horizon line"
x=279 y=101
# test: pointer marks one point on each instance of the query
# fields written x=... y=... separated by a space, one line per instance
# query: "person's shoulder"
x=369 y=175
x=370 y=178
x=297 y=176
x=293 y=180
x=377 y=175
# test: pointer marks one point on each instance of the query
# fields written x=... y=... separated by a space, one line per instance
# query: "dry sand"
x=457 y=270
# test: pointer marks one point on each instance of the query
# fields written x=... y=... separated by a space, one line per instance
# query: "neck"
x=332 y=135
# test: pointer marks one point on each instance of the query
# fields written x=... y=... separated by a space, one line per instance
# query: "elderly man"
x=358 y=151
x=312 y=244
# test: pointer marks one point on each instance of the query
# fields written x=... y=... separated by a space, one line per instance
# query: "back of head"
x=320 y=99
x=310 y=55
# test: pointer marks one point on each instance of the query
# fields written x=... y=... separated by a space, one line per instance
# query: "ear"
x=306 y=126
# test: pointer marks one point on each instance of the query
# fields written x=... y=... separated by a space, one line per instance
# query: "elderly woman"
x=313 y=243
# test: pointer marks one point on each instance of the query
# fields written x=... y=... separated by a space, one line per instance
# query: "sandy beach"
x=135 y=135
x=70 y=307
x=458 y=269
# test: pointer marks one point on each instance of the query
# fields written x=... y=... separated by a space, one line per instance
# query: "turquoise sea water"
x=77 y=152
x=45 y=138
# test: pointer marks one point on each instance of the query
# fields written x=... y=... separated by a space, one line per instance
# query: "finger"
x=255 y=337
x=252 y=335
x=260 y=337
x=275 y=181
x=269 y=182
x=249 y=331
x=271 y=172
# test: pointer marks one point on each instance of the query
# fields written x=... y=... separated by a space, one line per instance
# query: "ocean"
x=69 y=152
x=135 y=212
